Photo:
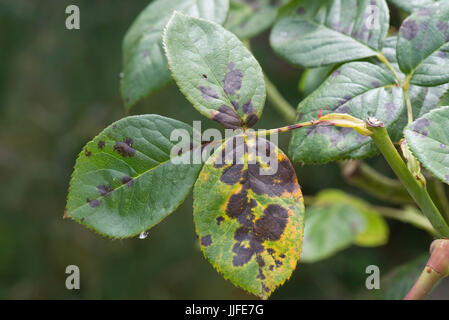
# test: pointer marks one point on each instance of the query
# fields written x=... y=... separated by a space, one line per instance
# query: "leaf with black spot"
x=360 y=89
x=248 y=213
x=423 y=45
x=215 y=71
x=128 y=182
x=428 y=139
x=145 y=67
x=323 y=32
x=248 y=18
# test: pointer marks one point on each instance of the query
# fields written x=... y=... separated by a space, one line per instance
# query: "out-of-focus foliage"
x=58 y=90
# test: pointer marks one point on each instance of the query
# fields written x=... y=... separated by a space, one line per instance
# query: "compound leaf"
x=360 y=89
x=144 y=64
x=323 y=32
x=215 y=71
x=336 y=221
x=423 y=45
x=428 y=139
x=248 y=213
x=248 y=18
x=125 y=181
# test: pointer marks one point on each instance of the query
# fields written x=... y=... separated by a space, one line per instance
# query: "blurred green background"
x=58 y=89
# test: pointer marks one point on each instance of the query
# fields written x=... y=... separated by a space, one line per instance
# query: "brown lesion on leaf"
x=87 y=153
x=206 y=240
x=219 y=220
x=105 y=190
x=93 y=203
x=233 y=80
x=227 y=117
x=101 y=144
x=125 y=148
x=128 y=180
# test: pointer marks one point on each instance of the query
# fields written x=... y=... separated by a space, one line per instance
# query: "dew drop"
x=143 y=235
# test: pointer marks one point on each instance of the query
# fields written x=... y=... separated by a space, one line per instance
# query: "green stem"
x=408 y=103
x=276 y=99
x=436 y=189
x=385 y=61
x=414 y=187
x=358 y=174
x=407 y=215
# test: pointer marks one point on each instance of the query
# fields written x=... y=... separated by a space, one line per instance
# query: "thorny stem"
x=360 y=175
x=417 y=190
x=436 y=269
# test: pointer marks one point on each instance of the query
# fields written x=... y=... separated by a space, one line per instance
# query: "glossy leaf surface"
x=215 y=71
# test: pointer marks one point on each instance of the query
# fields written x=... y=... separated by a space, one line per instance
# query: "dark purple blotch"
x=227 y=117
x=409 y=29
x=125 y=148
x=206 y=241
x=233 y=80
x=420 y=125
x=128 y=180
x=208 y=93
x=93 y=203
x=105 y=190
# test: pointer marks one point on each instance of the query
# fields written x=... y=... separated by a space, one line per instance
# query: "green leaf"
x=428 y=139
x=423 y=99
x=144 y=64
x=423 y=45
x=248 y=18
x=318 y=33
x=412 y=5
x=215 y=71
x=398 y=283
x=250 y=220
x=313 y=78
x=336 y=221
x=124 y=180
x=444 y=99
x=360 y=89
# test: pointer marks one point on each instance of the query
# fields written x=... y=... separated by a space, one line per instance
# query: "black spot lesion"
x=233 y=80
x=101 y=144
x=253 y=232
x=421 y=125
x=206 y=240
x=105 y=190
x=93 y=203
x=209 y=93
x=125 y=148
x=128 y=180
x=219 y=220
x=227 y=117
x=87 y=153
